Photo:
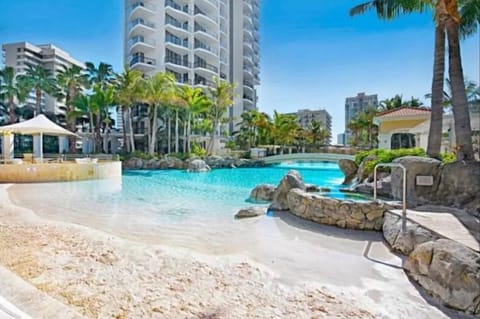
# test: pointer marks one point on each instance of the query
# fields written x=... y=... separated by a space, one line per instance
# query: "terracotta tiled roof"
x=404 y=111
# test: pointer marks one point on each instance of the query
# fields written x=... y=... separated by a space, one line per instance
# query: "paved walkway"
x=445 y=224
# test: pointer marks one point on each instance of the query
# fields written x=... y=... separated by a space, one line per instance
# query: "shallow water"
x=195 y=211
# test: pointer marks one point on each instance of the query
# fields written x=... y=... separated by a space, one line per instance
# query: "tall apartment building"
x=21 y=55
x=305 y=118
x=197 y=40
x=355 y=105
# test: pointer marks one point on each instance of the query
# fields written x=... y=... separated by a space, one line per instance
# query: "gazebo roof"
x=39 y=124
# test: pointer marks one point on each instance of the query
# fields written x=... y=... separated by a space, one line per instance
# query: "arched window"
x=402 y=140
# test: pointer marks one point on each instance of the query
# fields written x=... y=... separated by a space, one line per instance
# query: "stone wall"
x=329 y=211
x=175 y=163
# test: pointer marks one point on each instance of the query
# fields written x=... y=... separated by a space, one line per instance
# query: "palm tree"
x=71 y=81
x=128 y=93
x=39 y=79
x=284 y=129
x=156 y=90
x=103 y=74
x=100 y=100
x=195 y=102
x=221 y=97
x=11 y=90
x=470 y=88
x=448 y=21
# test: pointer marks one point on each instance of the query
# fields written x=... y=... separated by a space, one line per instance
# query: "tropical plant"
x=128 y=91
x=100 y=101
x=10 y=90
x=102 y=75
x=195 y=103
x=71 y=81
x=317 y=133
x=41 y=81
x=284 y=129
x=156 y=91
x=221 y=97
x=449 y=21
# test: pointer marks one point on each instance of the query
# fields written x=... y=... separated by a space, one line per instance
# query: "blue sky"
x=312 y=53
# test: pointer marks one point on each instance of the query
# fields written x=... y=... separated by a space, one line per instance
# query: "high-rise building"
x=305 y=117
x=21 y=55
x=355 y=105
x=197 y=40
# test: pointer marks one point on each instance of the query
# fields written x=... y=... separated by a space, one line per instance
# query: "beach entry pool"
x=192 y=213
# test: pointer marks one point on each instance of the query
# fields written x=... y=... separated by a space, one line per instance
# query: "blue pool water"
x=144 y=202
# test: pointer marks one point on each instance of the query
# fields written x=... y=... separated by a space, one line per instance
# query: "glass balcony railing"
x=203 y=81
x=178 y=61
x=140 y=39
x=174 y=40
x=142 y=4
x=140 y=21
x=205 y=65
x=201 y=45
x=174 y=22
x=200 y=28
x=142 y=59
x=172 y=4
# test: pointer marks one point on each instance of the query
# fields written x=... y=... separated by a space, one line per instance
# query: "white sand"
x=286 y=269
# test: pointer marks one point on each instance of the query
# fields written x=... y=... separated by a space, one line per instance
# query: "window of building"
x=402 y=140
x=19 y=49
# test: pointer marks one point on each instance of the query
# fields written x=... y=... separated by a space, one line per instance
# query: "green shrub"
x=180 y=156
x=197 y=150
x=448 y=157
x=386 y=156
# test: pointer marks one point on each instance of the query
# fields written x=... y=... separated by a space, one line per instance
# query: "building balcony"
x=176 y=8
x=141 y=9
x=142 y=26
x=204 y=69
x=140 y=43
x=204 y=33
x=205 y=51
x=142 y=63
x=212 y=3
x=203 y=82
x=178 y=63
x=177 y=43
x=205 y=18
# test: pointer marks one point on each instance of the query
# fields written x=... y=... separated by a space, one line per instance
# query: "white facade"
x=21 y=55
x=196 y=40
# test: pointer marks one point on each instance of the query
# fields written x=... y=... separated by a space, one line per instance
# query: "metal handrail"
x=404 y=193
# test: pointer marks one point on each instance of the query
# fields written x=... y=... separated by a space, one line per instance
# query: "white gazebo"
x=37 y=126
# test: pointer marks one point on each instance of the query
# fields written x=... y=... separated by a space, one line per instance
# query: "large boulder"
x=133 y=163
x=415 y=166
x=330 y=211
x=459 y=184
x=404 y=242
x=250 y=212
x=292 y=180
x=198 y=166
x=263 y=192
x=349 y=169
x=384 y=186
x=448 y=270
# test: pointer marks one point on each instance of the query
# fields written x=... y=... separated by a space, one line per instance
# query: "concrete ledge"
x=33 y=302
x=59 y=172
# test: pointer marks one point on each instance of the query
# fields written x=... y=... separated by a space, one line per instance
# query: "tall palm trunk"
x=11 y=110
x=130 y=128
x=126 y=144
x=189 y=131
x=71 y=121
x=461 y=115
x=184 y=136
x=169 y=135
x=98 y=140
x=176 y=131
x=436 y=117
x=153 y=137
x=38 y=101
